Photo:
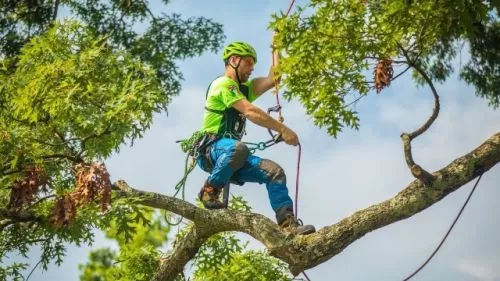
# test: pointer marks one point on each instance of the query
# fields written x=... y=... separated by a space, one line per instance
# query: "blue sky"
x=338 y=176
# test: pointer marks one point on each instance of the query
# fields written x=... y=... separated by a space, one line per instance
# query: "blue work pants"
x=231 y=161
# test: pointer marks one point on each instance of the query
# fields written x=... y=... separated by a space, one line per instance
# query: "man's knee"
x=274 y=171
x=239 y=156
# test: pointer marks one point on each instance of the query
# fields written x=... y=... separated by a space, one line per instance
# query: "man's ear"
x=233 y=60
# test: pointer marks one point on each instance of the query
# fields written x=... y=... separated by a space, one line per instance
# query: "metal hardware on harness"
x=263 y=144
x=276 y=108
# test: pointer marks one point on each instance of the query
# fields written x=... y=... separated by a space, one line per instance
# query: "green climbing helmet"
x=239 y=49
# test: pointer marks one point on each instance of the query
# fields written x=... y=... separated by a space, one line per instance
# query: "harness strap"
x=221 y=112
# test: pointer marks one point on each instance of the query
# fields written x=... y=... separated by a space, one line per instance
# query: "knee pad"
x=238 y=156
x=273 y=171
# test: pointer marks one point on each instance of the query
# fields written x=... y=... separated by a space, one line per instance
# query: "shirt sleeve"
x=251 y=93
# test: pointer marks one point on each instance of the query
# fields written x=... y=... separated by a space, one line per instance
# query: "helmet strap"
x=236 y=70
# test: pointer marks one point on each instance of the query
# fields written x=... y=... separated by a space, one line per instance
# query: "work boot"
x=290 y=224
x=209 y=196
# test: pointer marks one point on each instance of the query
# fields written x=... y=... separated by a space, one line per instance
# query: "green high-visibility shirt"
x=222 y=94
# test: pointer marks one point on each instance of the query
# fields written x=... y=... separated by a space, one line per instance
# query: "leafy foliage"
x=72 y=92
x=13 y=271
x=248 y=265
x=139 y=254
x=332 y=48
x=223 y=257
x=226 y=257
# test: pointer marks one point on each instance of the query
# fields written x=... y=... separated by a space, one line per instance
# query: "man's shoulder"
x=225 y=82
x=224 y=86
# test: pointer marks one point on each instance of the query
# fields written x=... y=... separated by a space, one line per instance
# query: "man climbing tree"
x=223 y=155
x=72 y=93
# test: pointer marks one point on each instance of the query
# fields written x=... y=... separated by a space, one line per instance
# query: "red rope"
x=280 y=118
x=297 y=182
x=290 y=7
x=305 y=275
x=276 y=81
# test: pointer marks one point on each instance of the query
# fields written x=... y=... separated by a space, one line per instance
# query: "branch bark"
x=9 y=217
x=303 y=252
x=55 y=10
x=416 y=170
x=183 y=252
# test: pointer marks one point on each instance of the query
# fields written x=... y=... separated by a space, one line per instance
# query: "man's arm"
x=263 y=84
x=261 y=118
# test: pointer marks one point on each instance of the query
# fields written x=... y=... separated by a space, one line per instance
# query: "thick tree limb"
x=183 y=252
x=303 y=252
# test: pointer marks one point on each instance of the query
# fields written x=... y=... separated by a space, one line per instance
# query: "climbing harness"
x=447 y=233
x=233 y=122
x=193 y=146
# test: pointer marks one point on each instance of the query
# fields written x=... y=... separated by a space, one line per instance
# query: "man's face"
x=245 y=68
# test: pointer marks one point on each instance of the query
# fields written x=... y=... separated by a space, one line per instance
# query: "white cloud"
x=482 y=269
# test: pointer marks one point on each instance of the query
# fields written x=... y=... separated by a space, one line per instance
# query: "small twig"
x=44 y=142
x=3 y=173
x=150 y=13
x=354 y=101
x=401 y=73
x=76 y=158
x=63 y=156
x=41 y=200
x=435 y=112
x=92 y=136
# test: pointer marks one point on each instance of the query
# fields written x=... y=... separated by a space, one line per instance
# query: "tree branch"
x=92 y=136
x=183 y=252
x=76 y=159
x=401 y=73
x=416 y=170
x=303 y=252
x=435 y=111
x=56 y=8
x=9 y=217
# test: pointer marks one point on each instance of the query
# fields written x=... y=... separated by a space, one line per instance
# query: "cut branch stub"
x=383 y=74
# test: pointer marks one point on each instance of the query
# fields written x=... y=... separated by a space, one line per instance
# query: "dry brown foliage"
x=383 y=74
x=92 y=182
x=64 y=212
x=24 y=191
